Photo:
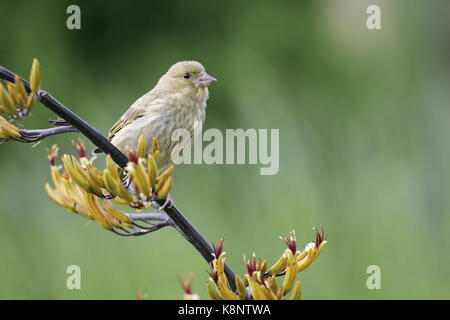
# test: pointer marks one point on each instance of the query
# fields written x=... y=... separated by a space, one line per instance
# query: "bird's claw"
x=168 y=201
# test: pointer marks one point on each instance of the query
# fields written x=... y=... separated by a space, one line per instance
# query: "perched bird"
x=178 y=101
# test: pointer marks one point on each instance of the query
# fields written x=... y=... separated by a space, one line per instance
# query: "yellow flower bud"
x=35 y=76
x=7 y=102
x=297 y=293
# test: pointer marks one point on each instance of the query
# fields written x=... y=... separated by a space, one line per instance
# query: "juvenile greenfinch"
x=178 y=101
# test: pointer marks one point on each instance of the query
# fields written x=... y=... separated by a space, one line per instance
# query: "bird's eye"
x=186 y=75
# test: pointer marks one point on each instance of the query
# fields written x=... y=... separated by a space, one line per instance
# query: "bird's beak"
x=205 y=80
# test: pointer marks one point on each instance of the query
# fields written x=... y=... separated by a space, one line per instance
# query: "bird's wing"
x=133 y=113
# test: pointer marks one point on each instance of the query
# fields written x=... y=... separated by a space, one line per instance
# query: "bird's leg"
x=126 y=182
x=168 y=201
x=58 y=122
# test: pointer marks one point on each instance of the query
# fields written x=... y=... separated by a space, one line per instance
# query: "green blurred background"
x=364 y=127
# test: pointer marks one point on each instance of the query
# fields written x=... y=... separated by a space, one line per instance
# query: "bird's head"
x=187 y=78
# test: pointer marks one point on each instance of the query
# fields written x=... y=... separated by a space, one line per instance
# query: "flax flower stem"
x=36 y=135
x=159 y=216
x=182 y=225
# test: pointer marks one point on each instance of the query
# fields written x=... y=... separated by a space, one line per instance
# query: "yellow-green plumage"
x=178 y=101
